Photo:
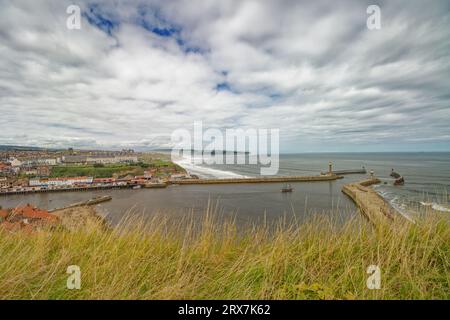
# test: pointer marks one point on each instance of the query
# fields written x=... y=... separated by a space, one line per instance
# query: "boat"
x=287 y=188
x=136 y=187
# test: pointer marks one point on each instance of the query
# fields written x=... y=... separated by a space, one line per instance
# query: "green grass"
x=108 y=170
x=212 y=259
x=94 y=171
x=159 y=161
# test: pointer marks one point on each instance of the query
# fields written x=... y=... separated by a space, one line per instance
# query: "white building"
x=42 y=161
x=15 y=162
x=60 y=181
x=105 y=159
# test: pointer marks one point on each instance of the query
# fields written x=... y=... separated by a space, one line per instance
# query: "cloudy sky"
x=137 y=70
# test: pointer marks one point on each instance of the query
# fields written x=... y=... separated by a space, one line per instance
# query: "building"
x=104 y=180
x=3 y=214
x=43 y=171
x=5 y=168
x=126 y=159
x=15 y=162
x=100 y=159
x=28 y=171
x=148 y=174
x=4 y=182
x=74 y=159
x=143 y=178
x=29 y=212
x=60 y=182
x=109 y=159
x=41 y=161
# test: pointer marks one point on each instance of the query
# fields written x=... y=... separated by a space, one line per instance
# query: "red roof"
x=34 y=213
x=3 y=214
x=104 y=180
x=15 y=226
x=11 y=226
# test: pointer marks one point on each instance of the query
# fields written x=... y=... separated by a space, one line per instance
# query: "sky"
x=138 y=70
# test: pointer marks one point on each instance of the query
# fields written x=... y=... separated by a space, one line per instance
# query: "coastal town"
x=26 y=171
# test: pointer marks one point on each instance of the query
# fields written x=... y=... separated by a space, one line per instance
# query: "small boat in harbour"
x=287 y=188
x=136 y=187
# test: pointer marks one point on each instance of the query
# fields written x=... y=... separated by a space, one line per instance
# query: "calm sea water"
x=427 y=177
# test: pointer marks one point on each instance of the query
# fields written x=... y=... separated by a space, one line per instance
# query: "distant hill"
x=24 y=148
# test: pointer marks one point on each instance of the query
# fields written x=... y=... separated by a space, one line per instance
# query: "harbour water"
x=427 y=177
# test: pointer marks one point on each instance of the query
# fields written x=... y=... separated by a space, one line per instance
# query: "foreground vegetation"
x=212 y=259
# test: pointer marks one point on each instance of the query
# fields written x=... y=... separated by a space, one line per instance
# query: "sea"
x=427 y=181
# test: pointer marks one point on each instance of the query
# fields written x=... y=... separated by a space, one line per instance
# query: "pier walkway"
x=325 y=177
x=356 y=171
x=343 y=172
x=376 y=209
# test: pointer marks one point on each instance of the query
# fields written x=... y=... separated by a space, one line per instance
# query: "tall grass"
x=211 y=259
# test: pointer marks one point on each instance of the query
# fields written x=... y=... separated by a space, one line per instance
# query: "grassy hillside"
x=108 y=170
x=209 y=259
x=95 y=171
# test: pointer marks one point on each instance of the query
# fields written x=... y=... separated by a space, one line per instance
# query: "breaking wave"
x=436 y=206
x=205 y=172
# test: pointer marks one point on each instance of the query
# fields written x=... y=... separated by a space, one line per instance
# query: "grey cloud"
x=310 y=68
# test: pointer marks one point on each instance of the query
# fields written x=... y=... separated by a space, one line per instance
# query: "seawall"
x=376 y=209
x=327 y=177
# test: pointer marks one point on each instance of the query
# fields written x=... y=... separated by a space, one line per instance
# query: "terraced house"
x=60 y=181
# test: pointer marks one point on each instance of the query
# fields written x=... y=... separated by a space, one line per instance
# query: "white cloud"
x=311 y=69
